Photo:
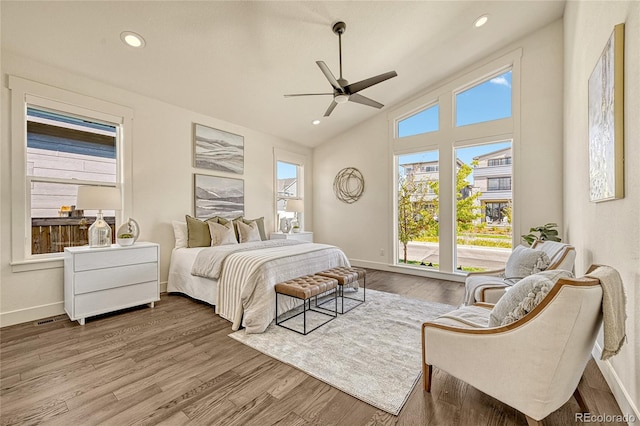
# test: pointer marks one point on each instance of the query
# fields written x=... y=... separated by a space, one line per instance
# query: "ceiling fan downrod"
x=339 y=28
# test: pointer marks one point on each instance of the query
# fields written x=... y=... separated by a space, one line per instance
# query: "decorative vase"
x=131 y=228
x=285 y=225
x=99 y=232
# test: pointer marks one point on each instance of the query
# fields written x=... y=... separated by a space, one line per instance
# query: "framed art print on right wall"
x=606 y=121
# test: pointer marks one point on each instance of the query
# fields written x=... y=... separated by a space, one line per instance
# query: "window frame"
x=446 y=140
x=25 y=93
x=300 y=162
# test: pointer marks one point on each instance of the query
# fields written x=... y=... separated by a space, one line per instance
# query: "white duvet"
x=246 y=277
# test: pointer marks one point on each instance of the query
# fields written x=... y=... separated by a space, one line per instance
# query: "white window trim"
x=25 y=92
x=446 y=140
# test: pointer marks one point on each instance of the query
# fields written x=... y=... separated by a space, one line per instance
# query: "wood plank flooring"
x=174 y=365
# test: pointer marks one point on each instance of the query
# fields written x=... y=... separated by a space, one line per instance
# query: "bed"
x=238 y=279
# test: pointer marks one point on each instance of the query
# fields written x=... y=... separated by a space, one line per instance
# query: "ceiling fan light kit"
x=343 y=91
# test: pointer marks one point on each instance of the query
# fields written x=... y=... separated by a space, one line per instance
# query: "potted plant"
x=544 y=233
x=125 y=239
x=295 y=229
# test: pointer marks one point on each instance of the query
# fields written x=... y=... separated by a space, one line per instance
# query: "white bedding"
x=244 y=292
x=180 y=278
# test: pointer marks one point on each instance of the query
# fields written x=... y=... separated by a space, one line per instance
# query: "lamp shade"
x=98 y=198
x=295 y=206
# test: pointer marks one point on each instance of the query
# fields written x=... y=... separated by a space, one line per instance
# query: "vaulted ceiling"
x=235 y=60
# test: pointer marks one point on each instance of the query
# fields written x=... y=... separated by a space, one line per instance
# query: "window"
x=289 y=186
x=499 y=184
x=499 y=162
x=478 y=204
x=490 y=100
x=61 y=140
x=471 y=196
x=417 y=223
x=64 y=151
x=422 y=122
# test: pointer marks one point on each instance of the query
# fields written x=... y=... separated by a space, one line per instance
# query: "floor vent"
x=50 y=320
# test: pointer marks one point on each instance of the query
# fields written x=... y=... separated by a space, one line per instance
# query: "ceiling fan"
x=342 y=90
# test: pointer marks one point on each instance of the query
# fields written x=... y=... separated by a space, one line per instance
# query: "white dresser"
x=106 y=279
x=301 y=236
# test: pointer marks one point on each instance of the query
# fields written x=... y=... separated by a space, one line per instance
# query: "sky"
x=487 y=101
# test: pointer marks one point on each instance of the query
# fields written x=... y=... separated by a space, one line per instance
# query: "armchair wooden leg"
x=427 y=370
x=532 y=422
x=583 y=406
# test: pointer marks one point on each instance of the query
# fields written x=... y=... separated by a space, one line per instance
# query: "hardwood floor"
x=175 y=365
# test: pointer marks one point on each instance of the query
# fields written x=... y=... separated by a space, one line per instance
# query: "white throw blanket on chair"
x=614 y=312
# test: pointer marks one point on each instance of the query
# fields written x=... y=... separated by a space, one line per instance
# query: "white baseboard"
x=31 y=314
x=408 y=270
x=622 y=397
x=35 y=313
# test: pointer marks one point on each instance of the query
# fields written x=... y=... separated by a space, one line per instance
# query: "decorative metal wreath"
x=348 y=185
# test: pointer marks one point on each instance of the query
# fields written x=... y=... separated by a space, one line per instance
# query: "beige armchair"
x=489 y=286
x=533 y=364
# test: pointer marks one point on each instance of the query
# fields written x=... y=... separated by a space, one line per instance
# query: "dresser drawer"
x=100 y=279
x=107 y=259
x=112 y=299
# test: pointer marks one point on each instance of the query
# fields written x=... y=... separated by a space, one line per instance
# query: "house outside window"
x=64 y=152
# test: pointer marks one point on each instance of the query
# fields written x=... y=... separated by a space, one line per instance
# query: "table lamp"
x=296 y=206
x=99 y=198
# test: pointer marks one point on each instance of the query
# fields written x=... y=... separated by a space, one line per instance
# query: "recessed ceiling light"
x=132 y=39
x=315 y=122
x=481 y=21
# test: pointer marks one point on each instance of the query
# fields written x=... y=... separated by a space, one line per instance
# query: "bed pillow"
x=198 y=234
x=222 y=234
x=248 y=231
x=525 y=295
x=260 y=222
x=181 y=234
x=525 y=261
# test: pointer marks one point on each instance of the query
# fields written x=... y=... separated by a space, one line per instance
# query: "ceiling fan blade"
x=327 y=73
x=361 y=85
x=307 y=94
x=364 y=101
x=331 y=108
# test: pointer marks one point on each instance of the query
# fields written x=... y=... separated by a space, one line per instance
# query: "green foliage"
x=418 y=215
x=466 y=208
x=415 y=212
x=544 y=233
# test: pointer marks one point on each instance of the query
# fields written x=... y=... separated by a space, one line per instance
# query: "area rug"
x=372 y=352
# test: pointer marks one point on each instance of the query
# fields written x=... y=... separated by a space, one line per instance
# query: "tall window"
x=469 y=125
x=63 y=152
x=483 y=207
x=289 y=187
x=418 y=228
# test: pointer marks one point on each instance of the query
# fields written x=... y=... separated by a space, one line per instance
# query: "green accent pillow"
x=198 y=234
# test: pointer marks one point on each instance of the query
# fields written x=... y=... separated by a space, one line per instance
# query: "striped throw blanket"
x=245 y=288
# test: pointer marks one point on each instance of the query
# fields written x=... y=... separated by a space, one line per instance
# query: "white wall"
x=365 y=228
x=609 y=232
x=162 y=180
